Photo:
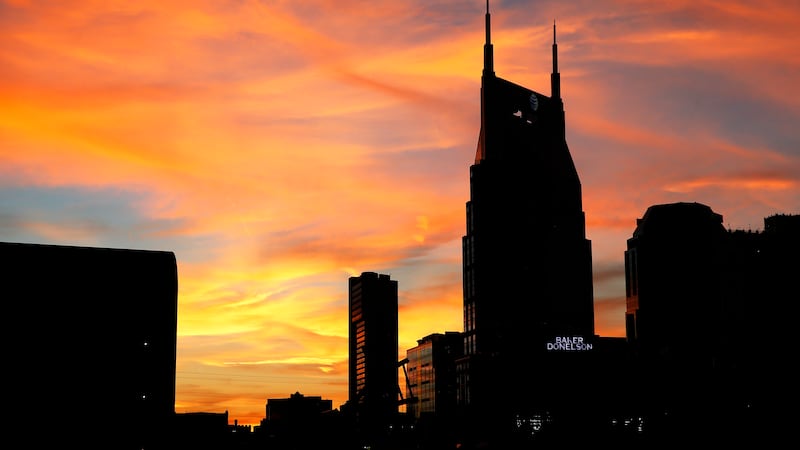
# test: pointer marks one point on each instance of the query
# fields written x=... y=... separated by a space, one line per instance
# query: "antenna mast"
x=555 y=77
x=488 y=56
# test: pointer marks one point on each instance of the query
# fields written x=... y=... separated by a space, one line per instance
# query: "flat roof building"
x=374 y=393
x=90 y=339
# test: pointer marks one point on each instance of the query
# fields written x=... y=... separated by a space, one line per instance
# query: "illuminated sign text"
x=569 y=344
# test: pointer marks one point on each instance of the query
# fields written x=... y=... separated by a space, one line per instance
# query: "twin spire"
x=555 y=77
x=488 y=57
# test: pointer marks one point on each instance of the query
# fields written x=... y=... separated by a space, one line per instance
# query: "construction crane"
x=411 y=398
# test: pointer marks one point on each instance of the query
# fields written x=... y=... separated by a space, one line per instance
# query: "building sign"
x=569 y=344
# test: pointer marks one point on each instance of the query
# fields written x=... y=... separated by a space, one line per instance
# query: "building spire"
x=488 y=57
x=555 y=77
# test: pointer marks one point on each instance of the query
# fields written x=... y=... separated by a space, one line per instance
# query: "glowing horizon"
x=278 y=148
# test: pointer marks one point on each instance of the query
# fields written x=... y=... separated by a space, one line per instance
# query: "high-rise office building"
x=373 y=373
x=674 y=259
x=431 y=374
x=675 y=276
x=431 y=387
x=527 y=265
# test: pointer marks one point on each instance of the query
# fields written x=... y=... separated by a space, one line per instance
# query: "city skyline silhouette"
x=79 y=169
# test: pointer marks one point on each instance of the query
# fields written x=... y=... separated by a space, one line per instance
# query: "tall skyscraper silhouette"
x=527 y=265
x=373 y=390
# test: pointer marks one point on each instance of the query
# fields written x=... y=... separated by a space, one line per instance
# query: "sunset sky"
x=280 y=147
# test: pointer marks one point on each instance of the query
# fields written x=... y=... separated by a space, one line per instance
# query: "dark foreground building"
x=527 y=265
x=90 y=345
x=202 y=431
x=707 y=322
x=302 y=422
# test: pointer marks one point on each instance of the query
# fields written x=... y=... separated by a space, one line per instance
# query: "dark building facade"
x=201 y=431
x=711 y=352
x=301 y=422
x=765 y=270
x=373 y=395
x=675 y=277
x=527 y=265
x=297 y=408
x=90 y=339
x=766 y=275
x=675 y=259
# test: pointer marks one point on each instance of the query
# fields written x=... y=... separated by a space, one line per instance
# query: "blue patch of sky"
x=684 y=98
x=91 y=217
